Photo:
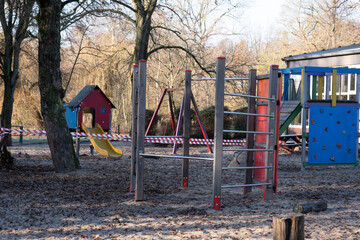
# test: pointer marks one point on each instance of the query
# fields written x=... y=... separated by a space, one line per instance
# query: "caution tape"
x=121 y=137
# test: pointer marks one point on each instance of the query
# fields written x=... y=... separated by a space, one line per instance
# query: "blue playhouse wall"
x=70 y=114
x=333 y=134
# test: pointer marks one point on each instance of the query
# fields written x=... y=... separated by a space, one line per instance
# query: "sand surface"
x=94 y=202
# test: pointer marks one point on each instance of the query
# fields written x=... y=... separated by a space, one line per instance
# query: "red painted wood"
x=97 y=101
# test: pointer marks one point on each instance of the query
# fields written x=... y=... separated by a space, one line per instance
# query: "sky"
x=262 y=15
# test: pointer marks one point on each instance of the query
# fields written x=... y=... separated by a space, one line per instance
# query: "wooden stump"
x=288 y=227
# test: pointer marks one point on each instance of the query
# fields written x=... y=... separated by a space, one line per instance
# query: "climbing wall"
x=332 y=134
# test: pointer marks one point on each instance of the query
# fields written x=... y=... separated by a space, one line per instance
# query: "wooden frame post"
x=186 y=128
x=327 y=87
x=77 y=140
x=250 y=127
x=304 y=98
x=320 y=88
x=218 y=133
x=333 y=89
x=140 y=149
x=134 y=126
x=270 y=156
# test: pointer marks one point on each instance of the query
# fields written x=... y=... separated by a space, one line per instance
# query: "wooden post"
x=186 y=128
x=250 y=127
x=320 y=87
x=77 y=140
x=139 y=186
x=334 y=86
x=304 y=99
x=287 y=87
x=270 y=142
x=314 y=87
x=218 y=132
x=134 y=127
x=357 y=88
x=327 y=87
x=288 y=227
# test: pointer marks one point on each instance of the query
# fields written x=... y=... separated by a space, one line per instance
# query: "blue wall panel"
x=332 y=135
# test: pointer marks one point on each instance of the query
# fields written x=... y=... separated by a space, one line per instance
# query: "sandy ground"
x=94 y=202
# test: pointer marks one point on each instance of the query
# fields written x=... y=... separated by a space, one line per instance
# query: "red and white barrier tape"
x=121 y=137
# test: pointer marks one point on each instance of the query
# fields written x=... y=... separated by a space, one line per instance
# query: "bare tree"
x=323 y=24
x=50 y=85
x=15 y=16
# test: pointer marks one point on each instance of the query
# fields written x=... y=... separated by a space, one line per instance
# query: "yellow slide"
x=102 y=146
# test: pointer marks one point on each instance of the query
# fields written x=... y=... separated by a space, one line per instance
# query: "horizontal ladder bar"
x=248 y=96
x=246 y=185
x=148 y=136
x=175 y=156
x=240 y=168
x=240 y=131
x=249 y=114
x=249 y=150
x=226 y=79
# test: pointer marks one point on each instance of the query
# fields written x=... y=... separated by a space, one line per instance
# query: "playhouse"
x=90 y=100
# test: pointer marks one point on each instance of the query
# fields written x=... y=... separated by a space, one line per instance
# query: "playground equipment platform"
x=102 y=146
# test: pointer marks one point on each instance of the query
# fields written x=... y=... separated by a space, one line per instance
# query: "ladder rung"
x=239 y=131
x=248 y=96
x=249 y=150
x=262 y=103
x=249 y=114
x=246 y=185
x=263 y=145
x=240 y=168
x=175 y=156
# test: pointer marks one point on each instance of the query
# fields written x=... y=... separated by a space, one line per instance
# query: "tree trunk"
x=50 y=84
x=7 y=108
x=14 y=34
x=143 y=28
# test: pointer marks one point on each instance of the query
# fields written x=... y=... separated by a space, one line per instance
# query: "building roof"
x=340 y=51
x=84 y=93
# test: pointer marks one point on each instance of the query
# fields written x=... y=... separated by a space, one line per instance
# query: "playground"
x=95 y=203
x=123 y=191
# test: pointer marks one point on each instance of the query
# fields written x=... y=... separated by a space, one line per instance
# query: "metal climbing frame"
x=138 y=132
x=262 y=133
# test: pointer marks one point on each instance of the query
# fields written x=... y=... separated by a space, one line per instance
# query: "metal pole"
x=186 y=128
x=219 y=124
x=134 y=127
x=250 y=127
x=305 y=88
x=77 y=141
x=21 y=135
x=140 y=149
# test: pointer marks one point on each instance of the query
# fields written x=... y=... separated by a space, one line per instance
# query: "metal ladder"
x=262 y=131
